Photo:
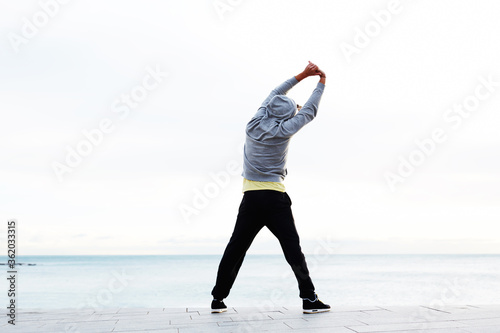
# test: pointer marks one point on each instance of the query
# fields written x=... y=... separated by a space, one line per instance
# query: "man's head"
x=282 y=107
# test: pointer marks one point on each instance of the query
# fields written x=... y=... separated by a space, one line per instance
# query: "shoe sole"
x=218 y=310
x=316 y=310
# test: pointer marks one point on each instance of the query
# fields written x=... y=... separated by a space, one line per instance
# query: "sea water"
x=187 y=280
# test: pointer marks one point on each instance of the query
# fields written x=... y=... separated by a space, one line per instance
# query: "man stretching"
x=265 y=202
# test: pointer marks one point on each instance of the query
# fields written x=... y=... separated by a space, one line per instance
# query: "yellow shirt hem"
x=252 y=185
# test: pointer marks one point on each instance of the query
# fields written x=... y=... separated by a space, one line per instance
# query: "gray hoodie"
x=269 y=132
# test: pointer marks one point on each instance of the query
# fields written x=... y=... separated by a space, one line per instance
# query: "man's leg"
x=248 y=224
x=282 y=225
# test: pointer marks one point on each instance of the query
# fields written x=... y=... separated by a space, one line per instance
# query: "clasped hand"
x=312 y=69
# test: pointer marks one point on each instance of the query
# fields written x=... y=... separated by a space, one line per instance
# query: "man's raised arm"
x=310 y=70
x=308 y=111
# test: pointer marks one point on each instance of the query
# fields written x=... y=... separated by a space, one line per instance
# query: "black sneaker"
x=314 y=306
x=218 y=306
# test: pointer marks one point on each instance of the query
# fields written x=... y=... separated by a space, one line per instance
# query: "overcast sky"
x=122 y=123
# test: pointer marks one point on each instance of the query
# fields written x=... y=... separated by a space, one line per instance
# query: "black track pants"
x=258 y=209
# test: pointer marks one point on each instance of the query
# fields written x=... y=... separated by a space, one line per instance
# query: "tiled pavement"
x=352 y=319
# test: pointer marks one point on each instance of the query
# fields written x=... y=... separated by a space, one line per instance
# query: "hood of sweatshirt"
x=281 y=107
